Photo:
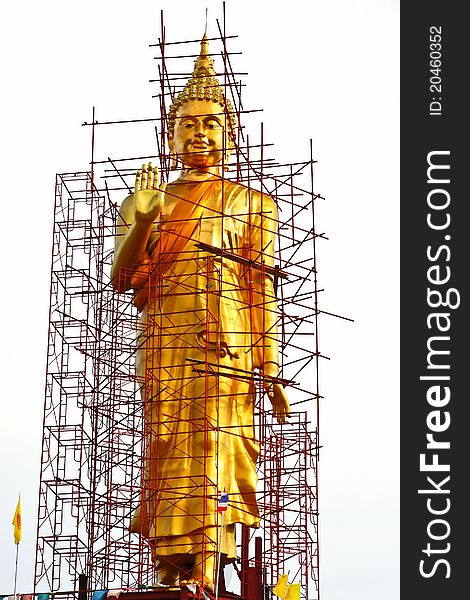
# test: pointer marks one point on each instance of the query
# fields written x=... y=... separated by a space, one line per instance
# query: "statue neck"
x=192 y=174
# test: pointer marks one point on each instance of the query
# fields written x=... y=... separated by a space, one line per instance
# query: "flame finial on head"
x=203 y=85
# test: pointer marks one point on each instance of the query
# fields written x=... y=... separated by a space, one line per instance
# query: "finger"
x=155 y=178
x=281 y=403
x=286 y=410
x=138 y=176
x=280 y=417
x=150 y=177
x=144 y=177
x=284 y=413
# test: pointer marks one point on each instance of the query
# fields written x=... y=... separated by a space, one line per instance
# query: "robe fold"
x=203 y=324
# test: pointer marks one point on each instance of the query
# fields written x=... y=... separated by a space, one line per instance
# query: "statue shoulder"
x=259 y=200
x=263 y=203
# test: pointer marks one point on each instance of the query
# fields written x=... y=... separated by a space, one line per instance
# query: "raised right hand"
x=148 y=196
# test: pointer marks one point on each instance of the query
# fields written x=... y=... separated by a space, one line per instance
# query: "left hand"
x=276 y=394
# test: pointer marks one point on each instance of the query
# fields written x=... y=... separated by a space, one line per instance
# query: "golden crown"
x=203 y=85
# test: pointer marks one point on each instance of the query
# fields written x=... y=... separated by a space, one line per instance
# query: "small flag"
x=293 y=592
x=223 y=503
x=17 y=523
x=280 y=587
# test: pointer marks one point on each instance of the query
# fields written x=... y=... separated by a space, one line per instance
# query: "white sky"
x=325 y=69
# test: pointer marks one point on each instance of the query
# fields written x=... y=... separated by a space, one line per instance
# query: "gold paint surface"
x=207 y=323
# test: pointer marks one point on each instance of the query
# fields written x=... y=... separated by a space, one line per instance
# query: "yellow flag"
x=17 y=523
x=293 y=592
x=280 y=587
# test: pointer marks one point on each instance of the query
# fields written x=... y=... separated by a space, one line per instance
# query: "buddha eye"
x=188 y=125
x=212 y=124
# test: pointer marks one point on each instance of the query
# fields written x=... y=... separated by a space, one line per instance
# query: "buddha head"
x=201 y=121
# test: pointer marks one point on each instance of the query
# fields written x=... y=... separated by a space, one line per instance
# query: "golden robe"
x=203 y=334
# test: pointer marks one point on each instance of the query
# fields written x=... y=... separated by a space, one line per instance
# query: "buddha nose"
x=200 y=129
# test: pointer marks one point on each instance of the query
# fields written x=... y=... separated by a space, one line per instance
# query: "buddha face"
x=199 y=134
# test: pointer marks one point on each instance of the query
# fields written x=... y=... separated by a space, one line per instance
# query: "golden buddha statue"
x=198 y=252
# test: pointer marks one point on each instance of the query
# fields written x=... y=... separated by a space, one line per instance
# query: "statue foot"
x=168 y=575
x=207 y=583
x=203 y=572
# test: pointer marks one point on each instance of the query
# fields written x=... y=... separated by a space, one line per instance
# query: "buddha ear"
x=171 y=148
x=228 y=150
x=230 y=145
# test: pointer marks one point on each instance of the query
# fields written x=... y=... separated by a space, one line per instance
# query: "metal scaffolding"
x=96 y=437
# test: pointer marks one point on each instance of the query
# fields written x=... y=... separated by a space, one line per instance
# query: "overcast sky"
x=320 y=69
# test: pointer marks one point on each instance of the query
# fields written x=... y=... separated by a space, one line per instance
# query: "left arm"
x=264 y=312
